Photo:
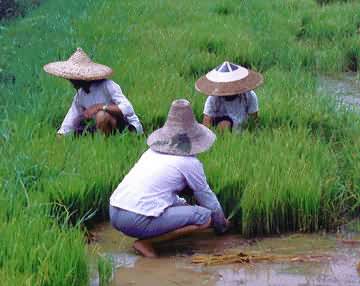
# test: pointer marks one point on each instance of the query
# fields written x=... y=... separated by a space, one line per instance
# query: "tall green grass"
x=36 y=250
x=297 y=171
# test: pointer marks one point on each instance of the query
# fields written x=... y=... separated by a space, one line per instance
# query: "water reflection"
x=345 y=87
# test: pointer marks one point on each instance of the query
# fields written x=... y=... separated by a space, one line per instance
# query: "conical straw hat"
x=79 y=67
x=182 y=134
x=228 y=79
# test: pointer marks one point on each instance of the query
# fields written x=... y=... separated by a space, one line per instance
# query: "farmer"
x=146 y=204
x=231 y=98
x=98 y=103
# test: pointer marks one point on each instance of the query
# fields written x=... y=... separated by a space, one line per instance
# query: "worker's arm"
x=72 y=118
x=207 y=121
x=204 y=196
x=254 y=117
x=253 y=107
x=210 y=111
x=116 y=96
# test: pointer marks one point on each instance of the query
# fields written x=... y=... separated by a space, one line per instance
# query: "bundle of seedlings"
x=243 y=258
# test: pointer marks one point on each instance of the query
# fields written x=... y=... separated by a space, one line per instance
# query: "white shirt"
x=153 y=183
x=103 y=92
x=237 y=109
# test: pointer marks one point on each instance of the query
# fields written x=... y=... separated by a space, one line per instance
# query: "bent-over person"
x=146 y=204
x=99 y=103
x=231 y=100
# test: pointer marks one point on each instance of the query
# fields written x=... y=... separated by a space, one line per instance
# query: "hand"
x=207 y=121
x=92 y=110
x=228 y=224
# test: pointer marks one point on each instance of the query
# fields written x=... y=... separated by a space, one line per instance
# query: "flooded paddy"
x=339 y=255
x=345 y=87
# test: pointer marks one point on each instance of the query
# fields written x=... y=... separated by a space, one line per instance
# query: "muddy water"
x=345 y=87
x=341 y=254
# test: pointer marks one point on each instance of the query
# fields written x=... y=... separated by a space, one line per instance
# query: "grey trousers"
x=175 y=217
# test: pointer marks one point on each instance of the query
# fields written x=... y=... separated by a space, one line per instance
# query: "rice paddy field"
x=298 y=171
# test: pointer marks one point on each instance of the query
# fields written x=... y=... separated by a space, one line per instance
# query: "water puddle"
x=345 y=87
x=175 y=267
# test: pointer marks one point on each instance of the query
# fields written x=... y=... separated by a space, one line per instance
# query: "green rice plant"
x=13 y=8
x=279 y=179
x=37 y=251
x=105 y=270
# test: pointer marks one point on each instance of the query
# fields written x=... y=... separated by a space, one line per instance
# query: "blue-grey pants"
x=175 y=217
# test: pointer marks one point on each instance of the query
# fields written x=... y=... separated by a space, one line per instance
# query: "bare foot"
x=145 y=248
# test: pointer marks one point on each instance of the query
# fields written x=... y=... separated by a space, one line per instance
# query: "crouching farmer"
x=146 y=204
x=231 y=100
x=99 y=103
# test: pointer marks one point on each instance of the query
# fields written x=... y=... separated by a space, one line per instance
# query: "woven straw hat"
x=182 y=134
x=79 y=67
x=228 y=79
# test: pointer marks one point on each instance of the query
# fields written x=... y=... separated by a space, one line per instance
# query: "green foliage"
x=35 y=250
x=297 y=171
x=13 y=8
x=105 y=270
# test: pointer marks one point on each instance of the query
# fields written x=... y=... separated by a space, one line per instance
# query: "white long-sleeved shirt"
x=102 y=92
x=154 y=182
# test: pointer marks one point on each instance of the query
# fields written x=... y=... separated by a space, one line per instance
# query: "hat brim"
x=208 y=87
x=195 y=141
x=68 y=70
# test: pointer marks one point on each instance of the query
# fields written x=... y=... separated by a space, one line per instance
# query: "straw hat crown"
x=79 y=57
x=180 y=116
x=181 y=134
x=79 y=67
x=228 y=79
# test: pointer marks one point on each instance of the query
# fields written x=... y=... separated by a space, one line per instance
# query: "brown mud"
x=175 y=267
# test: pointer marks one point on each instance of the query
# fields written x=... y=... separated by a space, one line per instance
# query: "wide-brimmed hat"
x=228 y=79
x=181 y=134
x=79 y=67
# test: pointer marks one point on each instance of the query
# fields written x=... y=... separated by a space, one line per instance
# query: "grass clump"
x=281 y=188
x=15 y=8
x=105 y=270
x=35 y=250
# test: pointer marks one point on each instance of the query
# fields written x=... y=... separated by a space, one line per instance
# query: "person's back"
x=152 y=184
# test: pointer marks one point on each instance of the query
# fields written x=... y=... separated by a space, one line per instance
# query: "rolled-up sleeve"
x=72 y=118
x=117 y=97
x=252 y=101
x=196 y=180
x=210 y=108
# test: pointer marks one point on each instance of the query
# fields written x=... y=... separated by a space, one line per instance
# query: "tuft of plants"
x=15 y=8
x=223 y=10
x=327 y=2
x=105 y=270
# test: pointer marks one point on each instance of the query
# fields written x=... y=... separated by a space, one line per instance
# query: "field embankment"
x=297 y=171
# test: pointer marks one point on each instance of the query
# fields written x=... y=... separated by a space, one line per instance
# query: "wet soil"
x=341 y=254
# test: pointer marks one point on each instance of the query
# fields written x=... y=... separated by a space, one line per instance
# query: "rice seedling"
x=297 y=171
x=105 y=271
